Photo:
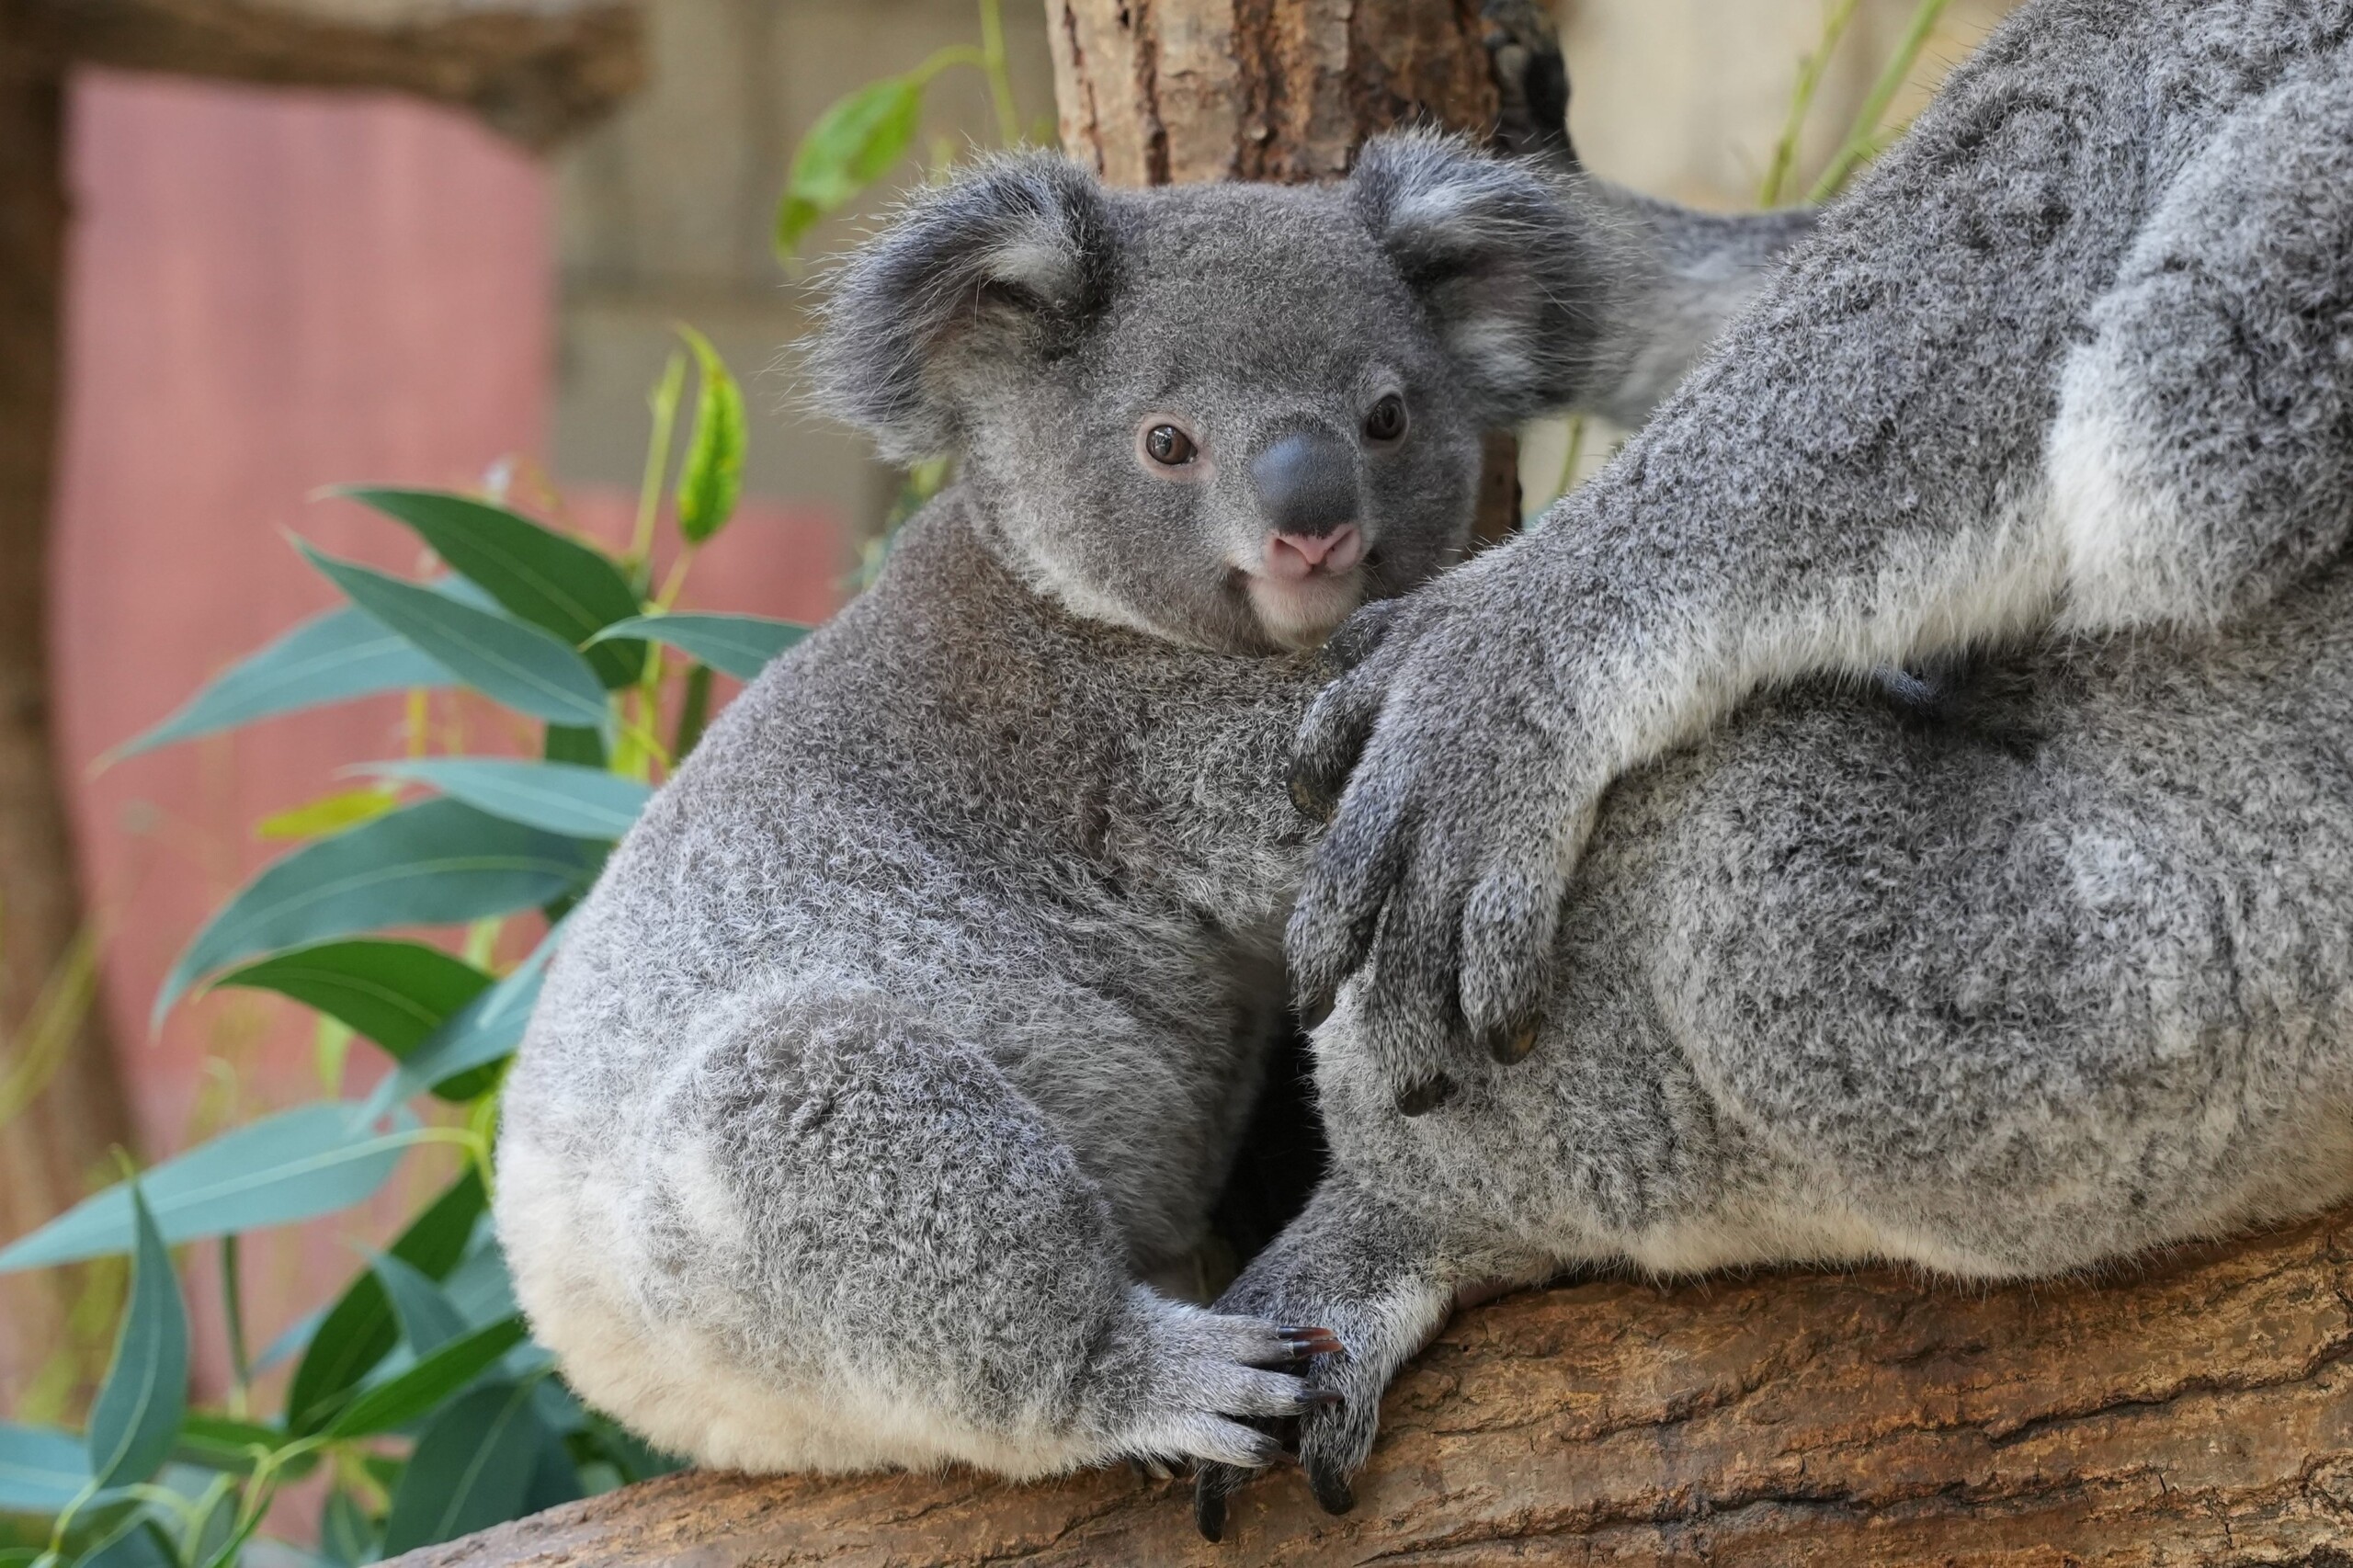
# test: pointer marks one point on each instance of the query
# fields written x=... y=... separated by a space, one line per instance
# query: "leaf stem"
x=1810 y=70
x=1008 y=115
x=664 y=403
x=232 y=1317
x=1862 y=135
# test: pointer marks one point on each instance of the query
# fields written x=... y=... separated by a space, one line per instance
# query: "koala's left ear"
x=1010 y=260
x=1515 y=268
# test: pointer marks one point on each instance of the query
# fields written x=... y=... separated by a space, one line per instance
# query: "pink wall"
x=274 y=291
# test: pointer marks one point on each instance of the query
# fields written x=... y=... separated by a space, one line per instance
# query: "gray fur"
x=917 y=1020
x=2067 y=976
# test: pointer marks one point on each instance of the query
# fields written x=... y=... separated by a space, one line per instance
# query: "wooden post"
x=1155 y=92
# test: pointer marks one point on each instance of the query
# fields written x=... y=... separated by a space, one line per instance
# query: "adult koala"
x=2071 y=377
x=918 y=1017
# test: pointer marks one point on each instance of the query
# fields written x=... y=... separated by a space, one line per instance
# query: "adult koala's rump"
x=920 y=1015
x=2068 y=378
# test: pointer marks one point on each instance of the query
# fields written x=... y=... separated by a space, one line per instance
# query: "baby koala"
x=919 y=1016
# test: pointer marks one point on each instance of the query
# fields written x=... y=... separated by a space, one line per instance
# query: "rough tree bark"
x=537 y=70
x=48 y=1150
x=2193 y=1410
x=1155 y=92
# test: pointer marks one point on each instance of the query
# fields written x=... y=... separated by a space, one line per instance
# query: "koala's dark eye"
x=1168 y=446
x=1387 y=420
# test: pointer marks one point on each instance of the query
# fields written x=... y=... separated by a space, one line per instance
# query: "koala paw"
x=1462 y=792
x=1332 y=1438
x=1210 y=1387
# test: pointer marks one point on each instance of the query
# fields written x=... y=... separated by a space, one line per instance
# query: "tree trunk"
x=2196 y=1409
x=52 y=1141
x=1155 y=92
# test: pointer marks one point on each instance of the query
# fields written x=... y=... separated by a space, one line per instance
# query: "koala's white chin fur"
x=1302 y=614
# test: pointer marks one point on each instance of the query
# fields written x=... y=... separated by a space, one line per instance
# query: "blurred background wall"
x=273 y=291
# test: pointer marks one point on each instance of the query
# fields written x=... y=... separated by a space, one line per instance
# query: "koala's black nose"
x=1307 y=483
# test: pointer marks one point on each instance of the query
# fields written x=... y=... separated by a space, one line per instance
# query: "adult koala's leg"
x=2202 y=458
x=1385 y=1280
x=846 y=1242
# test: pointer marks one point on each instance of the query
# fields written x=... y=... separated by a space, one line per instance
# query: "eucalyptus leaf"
x=508 y=661
x=471 y=1469
x=298 y=1163
x=712 y=475
x=435 y=863
x=333 y=658
x=485 y=1030
x=41 y=1470
x=329 y=814
x=580 y=802
x=554 y=583
x=136 y=1417
x=854 y=143
x=394 y=992
x=359 y=1330
x=739 y=646
x=426 y=1319
x=435 y=1378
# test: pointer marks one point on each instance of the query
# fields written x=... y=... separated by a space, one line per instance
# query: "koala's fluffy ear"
x=1515 y=268
x=1015 y=256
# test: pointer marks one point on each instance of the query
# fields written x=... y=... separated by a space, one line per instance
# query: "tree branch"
x=539 y=72
x=2194 y=1411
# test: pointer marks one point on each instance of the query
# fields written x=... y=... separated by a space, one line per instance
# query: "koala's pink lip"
x=1301 y=611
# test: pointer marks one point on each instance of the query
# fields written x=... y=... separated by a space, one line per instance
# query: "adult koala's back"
x=920 y=1015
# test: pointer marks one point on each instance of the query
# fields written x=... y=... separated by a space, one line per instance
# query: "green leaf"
x=713 y=476
x=426 y=1319
x=135 y=1540
x=471 y=1469
x=568 y=743
x=136 y=1417
x=345 y=1536
x=554 y=583
x=853 y=144
x=222 y=1443
x=507 y=661
x=485 y=1030
x=739 y=646
x=329 y=814
x=435 y=863
x=579 y=803
x=359 y=1330
x=394 y=992
x=309 y=1161
x=41 y=1470
x=436 y=1377
x=341 y=654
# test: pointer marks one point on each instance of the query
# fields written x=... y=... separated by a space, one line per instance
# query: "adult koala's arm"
x=2109 y=267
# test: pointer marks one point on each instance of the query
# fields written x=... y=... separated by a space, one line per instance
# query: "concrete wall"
x=665 y=215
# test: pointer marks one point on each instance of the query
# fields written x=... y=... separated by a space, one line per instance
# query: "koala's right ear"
x=1015 y=256
x=1515 y=267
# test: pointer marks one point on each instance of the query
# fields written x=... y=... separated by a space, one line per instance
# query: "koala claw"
x=1211 y=1486
x=1304 y=1343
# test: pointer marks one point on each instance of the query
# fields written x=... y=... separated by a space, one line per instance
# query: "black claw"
x=1303 y=1343
x=1323 y=1399
x=1425 y=1096
x=1332 y=1490
x=1208 y=1508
